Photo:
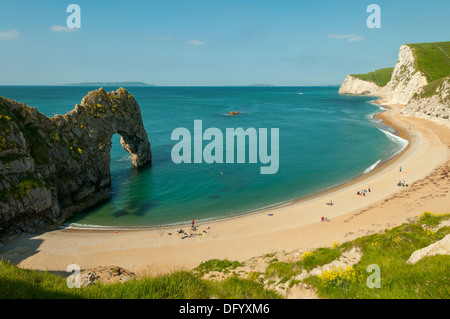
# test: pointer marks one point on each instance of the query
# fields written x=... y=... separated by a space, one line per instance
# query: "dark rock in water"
x=53 y=167
x=233 y=113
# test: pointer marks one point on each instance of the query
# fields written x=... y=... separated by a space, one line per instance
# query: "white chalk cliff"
x=355 y=86
x=406 y=87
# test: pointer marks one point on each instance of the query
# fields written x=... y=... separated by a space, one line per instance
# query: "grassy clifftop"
x=380 y=77
x=432 y=59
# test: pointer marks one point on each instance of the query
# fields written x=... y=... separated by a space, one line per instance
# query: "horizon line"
x=184 y=85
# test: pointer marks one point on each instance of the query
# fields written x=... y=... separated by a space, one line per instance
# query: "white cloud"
x=9 y=35
x=60 y=28
x=348 y=37
x=196 y=42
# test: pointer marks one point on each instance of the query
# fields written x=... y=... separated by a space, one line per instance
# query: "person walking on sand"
x=192 y=224
x=400 y=169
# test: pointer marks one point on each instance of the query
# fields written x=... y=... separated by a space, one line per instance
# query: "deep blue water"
x=325 y=139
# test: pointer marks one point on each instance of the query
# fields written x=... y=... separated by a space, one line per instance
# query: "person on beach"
x=368 y=188
x=192 y=224
x=331 y=203
x=400 y=169
x=323 y=219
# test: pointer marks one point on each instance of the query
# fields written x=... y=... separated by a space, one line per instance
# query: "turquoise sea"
x=325 y=140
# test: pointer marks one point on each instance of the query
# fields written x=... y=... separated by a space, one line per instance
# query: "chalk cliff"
x=409 y=85
x=406 y=79
x=53 y=167
x=355 y=86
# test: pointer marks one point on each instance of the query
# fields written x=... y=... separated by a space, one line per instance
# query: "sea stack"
x=51 y=168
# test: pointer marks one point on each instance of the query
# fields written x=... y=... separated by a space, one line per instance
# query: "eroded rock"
x=53 y=167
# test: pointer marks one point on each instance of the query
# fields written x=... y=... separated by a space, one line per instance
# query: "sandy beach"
x=295 y=227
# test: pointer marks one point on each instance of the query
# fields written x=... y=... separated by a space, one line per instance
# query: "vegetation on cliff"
x=432 y=59
x=53 y=167
x=380 y=77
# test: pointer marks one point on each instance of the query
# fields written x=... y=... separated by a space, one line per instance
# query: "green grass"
x=380 y=77
x=17 y=283
x=286 y=270
x=217 y=265
x=432 y=59
x=428 y=278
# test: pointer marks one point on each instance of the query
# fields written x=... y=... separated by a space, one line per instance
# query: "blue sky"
x=209 y=42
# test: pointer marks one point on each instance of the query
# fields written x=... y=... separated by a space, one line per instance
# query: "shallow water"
x=325 y=139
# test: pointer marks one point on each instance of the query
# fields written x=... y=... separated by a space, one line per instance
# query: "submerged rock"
x=53 y=167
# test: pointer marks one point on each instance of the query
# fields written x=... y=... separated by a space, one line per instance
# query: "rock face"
x=51 y=168
x=441 y=247
x=431 y=106
x=105 y=275
x=406 y=79
x=408 y=86
x=354 y=86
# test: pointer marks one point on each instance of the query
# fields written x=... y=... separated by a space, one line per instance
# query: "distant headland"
x=121 y=84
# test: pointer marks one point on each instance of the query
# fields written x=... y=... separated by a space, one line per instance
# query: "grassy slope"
x=17 y=283
x=380 y=77
x=429 y=278
x=432 y=59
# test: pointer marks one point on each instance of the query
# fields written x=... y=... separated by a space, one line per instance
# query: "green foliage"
x=283 y=270
x=287 y=270
x=432 y=59
x=217 y=265
x=428 y=278
x=380 y=77
x=17 y=283
x=432 y=88
x=320 y=257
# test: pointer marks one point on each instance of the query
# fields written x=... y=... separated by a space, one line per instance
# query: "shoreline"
x=401 y=132
x=295 y=226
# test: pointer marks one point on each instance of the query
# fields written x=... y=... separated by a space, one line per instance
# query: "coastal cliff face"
x=53 y=167
x=354 y=86
x=408 y=86
x=406 y=79
x=436 y=105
